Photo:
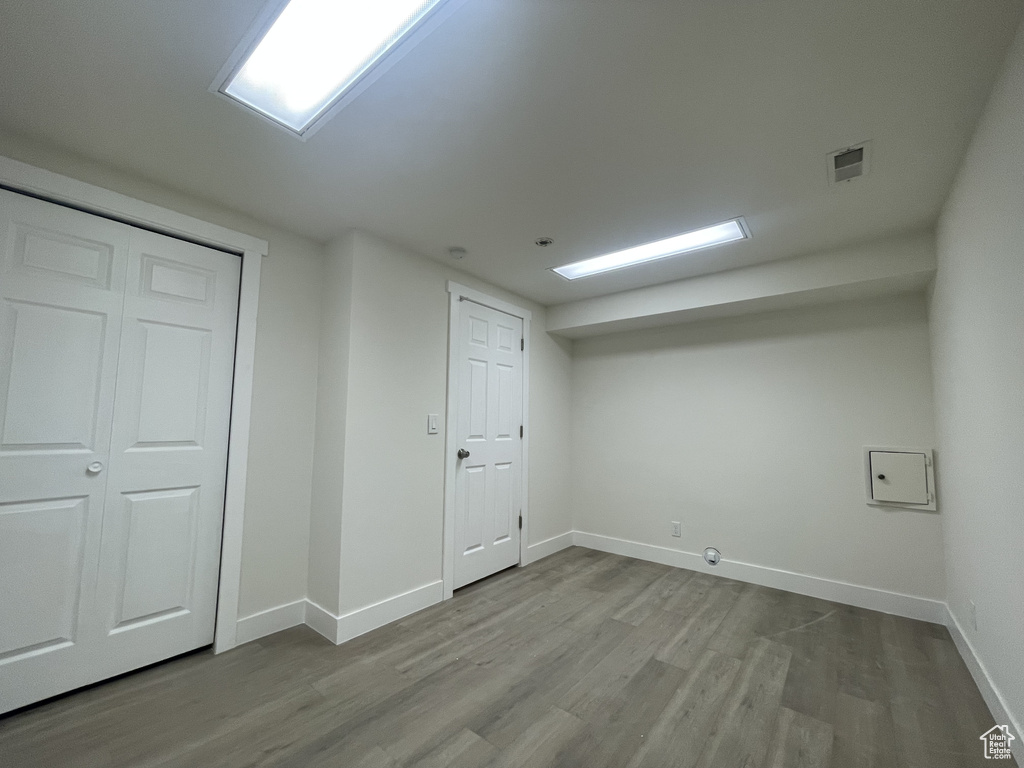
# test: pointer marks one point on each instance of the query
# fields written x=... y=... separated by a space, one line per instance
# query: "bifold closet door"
x=163 y=513
x=116 y=356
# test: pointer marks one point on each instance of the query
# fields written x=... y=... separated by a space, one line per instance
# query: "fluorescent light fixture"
x=716 y=234
x=316 y=51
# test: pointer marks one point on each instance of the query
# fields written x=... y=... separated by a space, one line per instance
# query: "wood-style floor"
x=582 y=659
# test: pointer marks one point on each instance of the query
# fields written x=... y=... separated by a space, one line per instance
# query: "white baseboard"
x=989 y=692
x=542 y=549
x=270 y=621
x=338 y=629
x=873 y=599
x=322 y=621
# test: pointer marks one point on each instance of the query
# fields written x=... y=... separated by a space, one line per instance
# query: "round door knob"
x=881 y=477
x=463 y=453
x=95 y=468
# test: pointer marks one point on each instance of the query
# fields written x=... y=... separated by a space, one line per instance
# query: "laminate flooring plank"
x=966 y=706
x=547 y=743
x=745 y=724
x=696 y=591
x=752 y=615
x=409 y=724
x=860 y=660
x=540 y=683
x=678 y=736
x=654 y=597
x=863 y=734
x=624 y=716
x=246 y=739
x=812 y=682
x=464 y=750
x=799 y=741
x=924 y=727
x=431 y=657
x=139 y=724
x=625 y=573
x=696 y=629
x=639 y=646
x=543 y=631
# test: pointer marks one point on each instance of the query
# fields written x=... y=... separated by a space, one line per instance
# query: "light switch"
x=900 y=477
x=431 y=423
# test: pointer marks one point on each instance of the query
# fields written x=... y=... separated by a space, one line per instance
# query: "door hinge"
x=520 y=431
x=522 y=345
x=520 y=522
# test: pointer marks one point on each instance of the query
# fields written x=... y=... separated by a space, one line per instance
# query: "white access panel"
x=901 y=477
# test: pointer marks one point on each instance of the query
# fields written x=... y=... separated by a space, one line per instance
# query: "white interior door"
x=116 y=355
x=489 y=463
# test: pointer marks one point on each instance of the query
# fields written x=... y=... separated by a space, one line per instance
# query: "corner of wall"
x=323 y=571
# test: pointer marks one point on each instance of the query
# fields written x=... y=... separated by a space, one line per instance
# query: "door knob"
x=95 y=468
x=881 y=477
x=463 y=453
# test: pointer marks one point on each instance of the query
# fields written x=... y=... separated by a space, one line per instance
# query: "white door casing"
x=485 y=492
x=116 y=355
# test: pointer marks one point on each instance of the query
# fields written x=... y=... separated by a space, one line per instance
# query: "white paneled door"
x=489 y=463
x=116 y=356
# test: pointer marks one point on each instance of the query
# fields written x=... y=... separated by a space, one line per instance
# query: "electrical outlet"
x=972 y=614
x=677 y=529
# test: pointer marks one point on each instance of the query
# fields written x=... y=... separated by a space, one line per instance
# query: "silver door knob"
x=463 y=453
x=95 y=468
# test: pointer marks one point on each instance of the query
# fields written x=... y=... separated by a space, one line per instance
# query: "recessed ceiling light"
x=316 y=51
x=716 y=234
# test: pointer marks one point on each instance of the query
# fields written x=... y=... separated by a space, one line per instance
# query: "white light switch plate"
x=431 y=423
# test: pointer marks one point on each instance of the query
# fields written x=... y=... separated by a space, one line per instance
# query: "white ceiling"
x=600 y=123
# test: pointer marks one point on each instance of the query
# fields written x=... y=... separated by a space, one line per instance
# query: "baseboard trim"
x=910 y=606
x=542 y=549
x=989 y=691
x=271 y=620
x=339 y=629
x=321 y=621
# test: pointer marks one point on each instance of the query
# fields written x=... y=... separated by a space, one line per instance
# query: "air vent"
x=849 y=163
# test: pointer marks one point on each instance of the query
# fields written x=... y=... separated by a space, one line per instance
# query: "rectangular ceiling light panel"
x=716 y=234
x=316 y=51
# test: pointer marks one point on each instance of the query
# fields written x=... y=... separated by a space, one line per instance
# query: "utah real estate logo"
x=997 y=742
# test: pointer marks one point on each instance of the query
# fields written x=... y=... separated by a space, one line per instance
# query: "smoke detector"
x=849 y=163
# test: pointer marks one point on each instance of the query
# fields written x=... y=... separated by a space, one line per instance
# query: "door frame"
x=63 y=190
x=457 y=293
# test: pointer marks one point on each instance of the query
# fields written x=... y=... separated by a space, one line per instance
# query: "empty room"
x=506 y=383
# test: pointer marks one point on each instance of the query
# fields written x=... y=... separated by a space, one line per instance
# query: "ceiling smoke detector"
x=457 y=252
x=543 y=242
x=849 y=163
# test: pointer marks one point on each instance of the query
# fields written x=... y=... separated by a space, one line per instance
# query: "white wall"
x=276 y=529
x=749 y=431
x=977 y=318
x=392 y=495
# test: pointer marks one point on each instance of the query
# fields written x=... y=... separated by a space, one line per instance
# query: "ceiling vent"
x=849 y=163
